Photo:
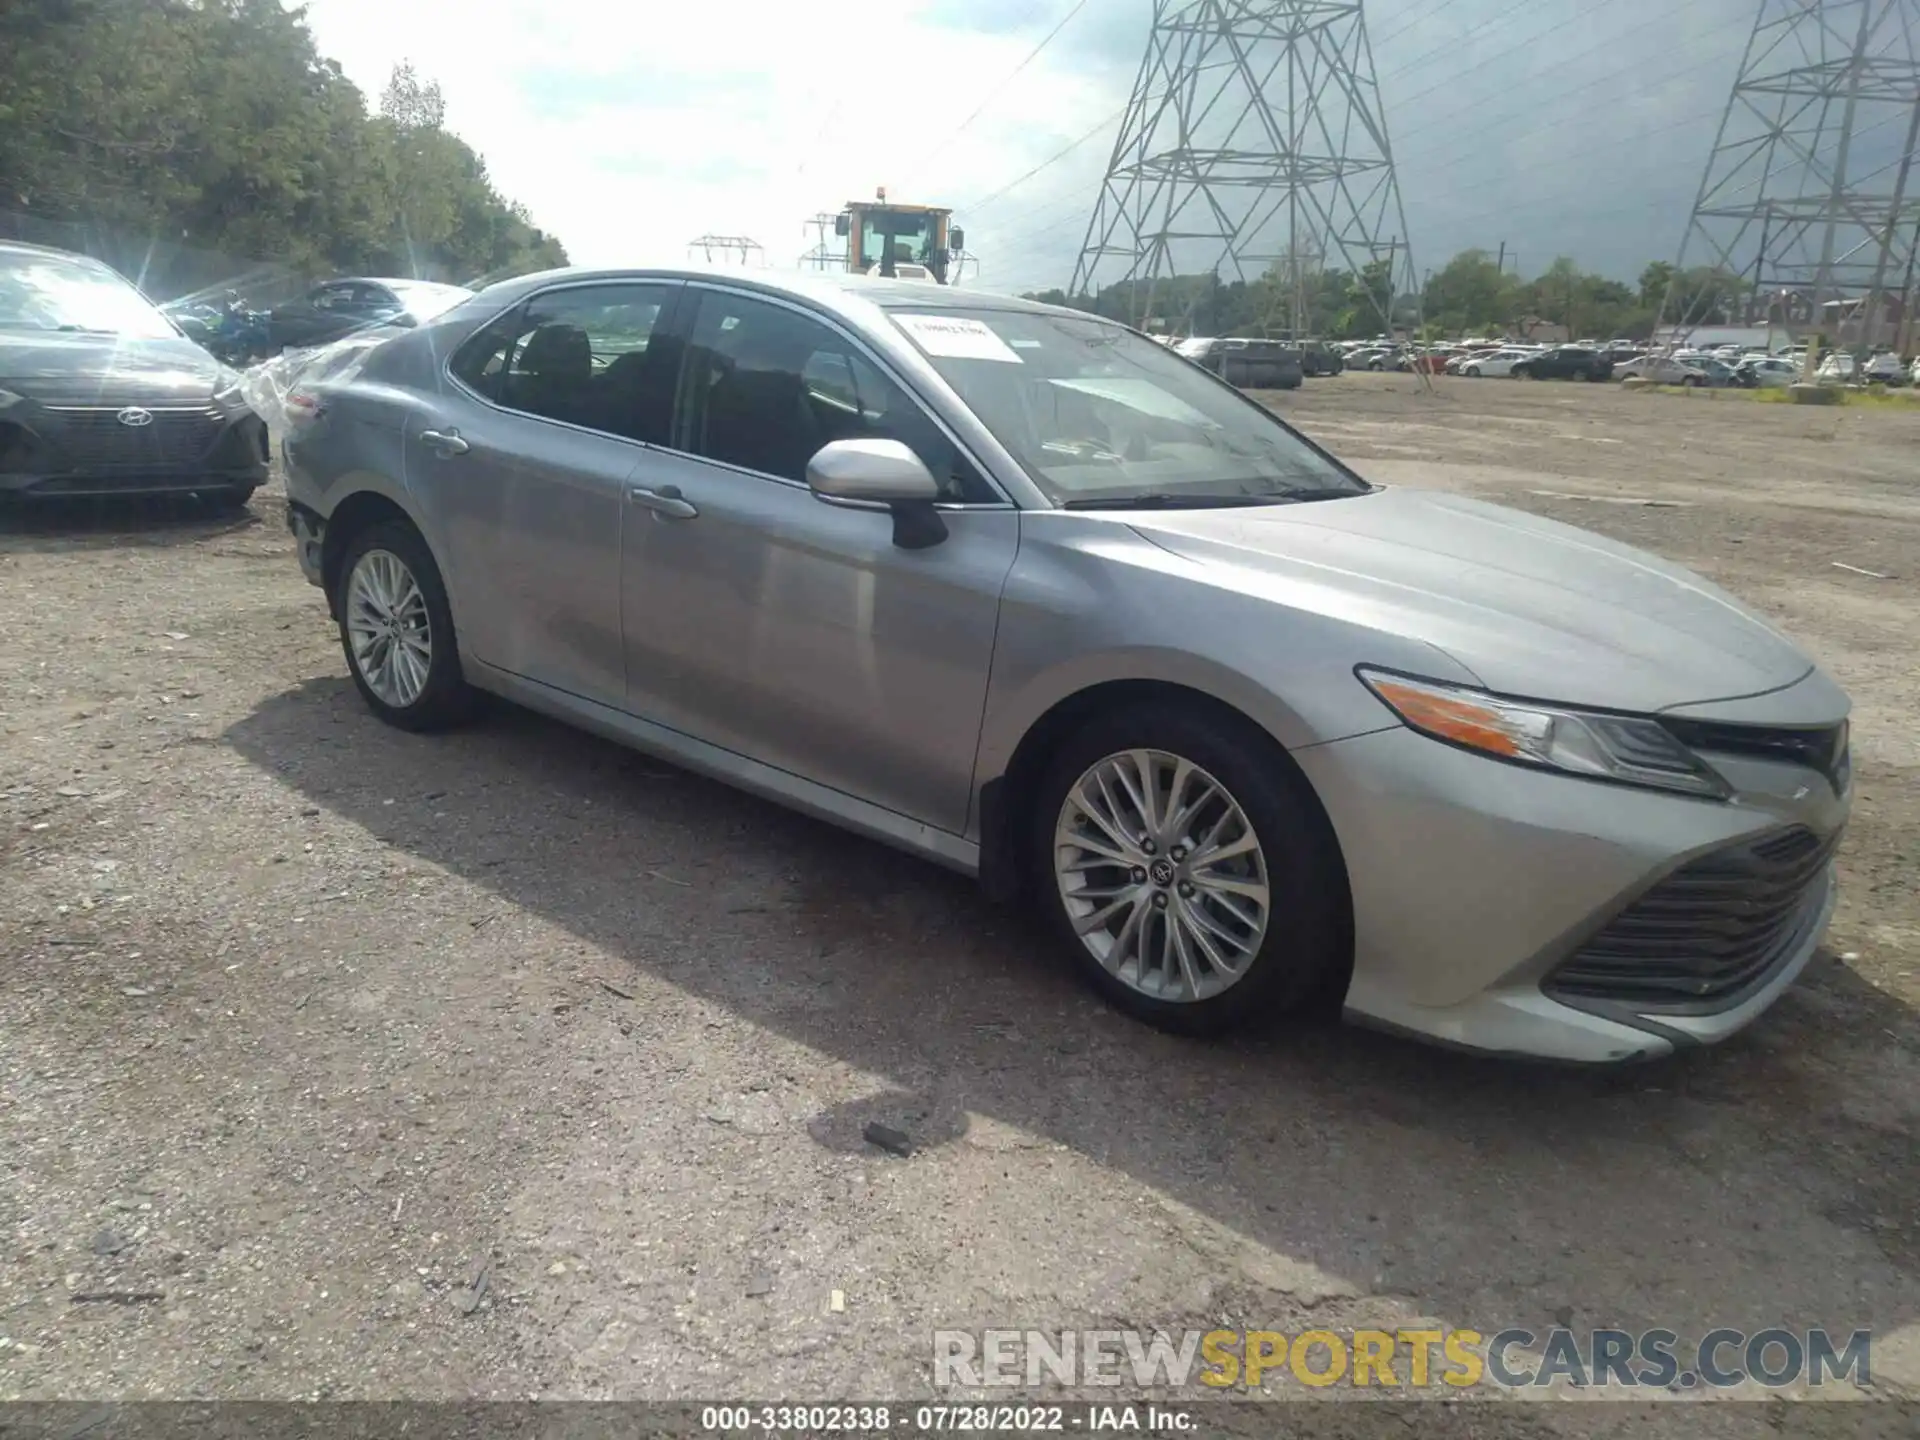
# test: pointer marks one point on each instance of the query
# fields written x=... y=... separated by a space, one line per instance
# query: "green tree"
x=1654 y=282
x=1470 y=293
x=153 y=128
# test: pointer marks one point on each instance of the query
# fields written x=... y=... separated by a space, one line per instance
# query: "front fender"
x=1089 y=603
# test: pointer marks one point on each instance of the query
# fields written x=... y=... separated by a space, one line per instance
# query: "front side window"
x=1094 y=412
x=766 y=387
x=582 y=355
x=50 y=292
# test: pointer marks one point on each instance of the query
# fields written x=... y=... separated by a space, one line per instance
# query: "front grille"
x=96 y=439
x=1707 y=934
x=1823 y=749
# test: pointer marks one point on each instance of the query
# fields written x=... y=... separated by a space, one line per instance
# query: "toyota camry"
x=1021 y=591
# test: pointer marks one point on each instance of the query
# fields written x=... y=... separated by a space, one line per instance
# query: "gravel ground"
x=511 y=1064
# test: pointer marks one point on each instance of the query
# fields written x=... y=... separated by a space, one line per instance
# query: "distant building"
x=1751 y=337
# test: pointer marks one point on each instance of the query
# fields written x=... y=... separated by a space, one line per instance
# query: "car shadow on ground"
x=1749 y=1185
x=56 y=526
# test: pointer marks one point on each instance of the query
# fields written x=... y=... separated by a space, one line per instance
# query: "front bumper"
x=53 y=451
x=1473 y=881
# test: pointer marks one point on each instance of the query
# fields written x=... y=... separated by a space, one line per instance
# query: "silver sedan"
x=1021 y=591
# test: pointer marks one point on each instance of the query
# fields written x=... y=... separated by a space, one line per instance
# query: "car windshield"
x=48 y=292
x=1093 y=411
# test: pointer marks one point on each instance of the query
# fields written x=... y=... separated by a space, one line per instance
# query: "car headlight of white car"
x=1628 y=749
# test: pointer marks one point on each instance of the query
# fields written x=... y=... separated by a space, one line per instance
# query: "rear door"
x=525 y=463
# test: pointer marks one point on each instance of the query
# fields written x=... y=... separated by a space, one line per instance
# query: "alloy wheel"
x=1162 y=875
x=389 y=628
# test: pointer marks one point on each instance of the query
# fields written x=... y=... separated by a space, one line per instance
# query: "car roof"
x=853 y=296
x=27 y=247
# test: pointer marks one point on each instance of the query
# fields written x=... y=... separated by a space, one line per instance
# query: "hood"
x=59 y=369
x=1532 y=607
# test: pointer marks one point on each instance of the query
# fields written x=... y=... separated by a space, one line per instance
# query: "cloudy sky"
x=628 y=127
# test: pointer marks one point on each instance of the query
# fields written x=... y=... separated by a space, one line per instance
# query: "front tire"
x=1188 y=869
x=396 y=629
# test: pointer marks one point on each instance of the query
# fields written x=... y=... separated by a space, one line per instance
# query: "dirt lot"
x=306 y=1024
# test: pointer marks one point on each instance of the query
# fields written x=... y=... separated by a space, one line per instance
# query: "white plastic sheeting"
x=268 y=384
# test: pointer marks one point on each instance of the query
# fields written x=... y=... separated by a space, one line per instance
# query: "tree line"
x=217 y=126
x=1472 y=294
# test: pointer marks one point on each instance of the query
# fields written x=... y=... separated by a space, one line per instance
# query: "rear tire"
x=396 y=629
x=1162 y=933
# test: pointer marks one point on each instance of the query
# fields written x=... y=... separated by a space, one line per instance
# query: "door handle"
x=667 y=500
x=446 y=442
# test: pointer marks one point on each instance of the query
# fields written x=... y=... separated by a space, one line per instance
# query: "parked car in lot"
x=1247 y=364
x=1499 y=363
x=1660 y=370
x=1378 y=357
x=340 y=307
x=1015 y=589
x=1839 y=366
x=1564 y=362
x=1317 y=357
x=223 y=325
x=1887 y=369
x=1766 y=372
x=101 y=394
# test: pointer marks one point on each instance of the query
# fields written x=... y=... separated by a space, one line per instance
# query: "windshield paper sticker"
x=953 y=337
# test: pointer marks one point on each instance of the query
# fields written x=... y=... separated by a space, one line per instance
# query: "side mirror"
x=843 y=225
x=404 y=319
x=956 y=238
x=881 y=472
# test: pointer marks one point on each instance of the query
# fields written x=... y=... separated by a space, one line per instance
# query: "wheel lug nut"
x=1186 y=891
x=1159 y=899
x=1179 y=852
x=1139 y=876
x=1147 y=845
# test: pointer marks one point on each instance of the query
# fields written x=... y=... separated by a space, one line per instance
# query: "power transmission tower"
x=1809 y=193
x=727 y=248
x=1254 y=135
x=823 y=254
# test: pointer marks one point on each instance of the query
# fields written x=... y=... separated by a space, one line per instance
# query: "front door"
x=525 y=465
x=764 y=620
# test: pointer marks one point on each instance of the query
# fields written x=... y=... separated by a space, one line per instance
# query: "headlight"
x=230 y=389
x=1623 y=748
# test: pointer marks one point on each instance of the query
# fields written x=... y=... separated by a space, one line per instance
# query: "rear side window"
x=585 y=356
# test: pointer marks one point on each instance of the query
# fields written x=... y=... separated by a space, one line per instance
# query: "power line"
x=1117 y=114
x=1070 y=214
x=1530 y=40
x=1420 y=18
x=995 y=93
x=1718 y=58
x=1467 y=34
x=1050 y=160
